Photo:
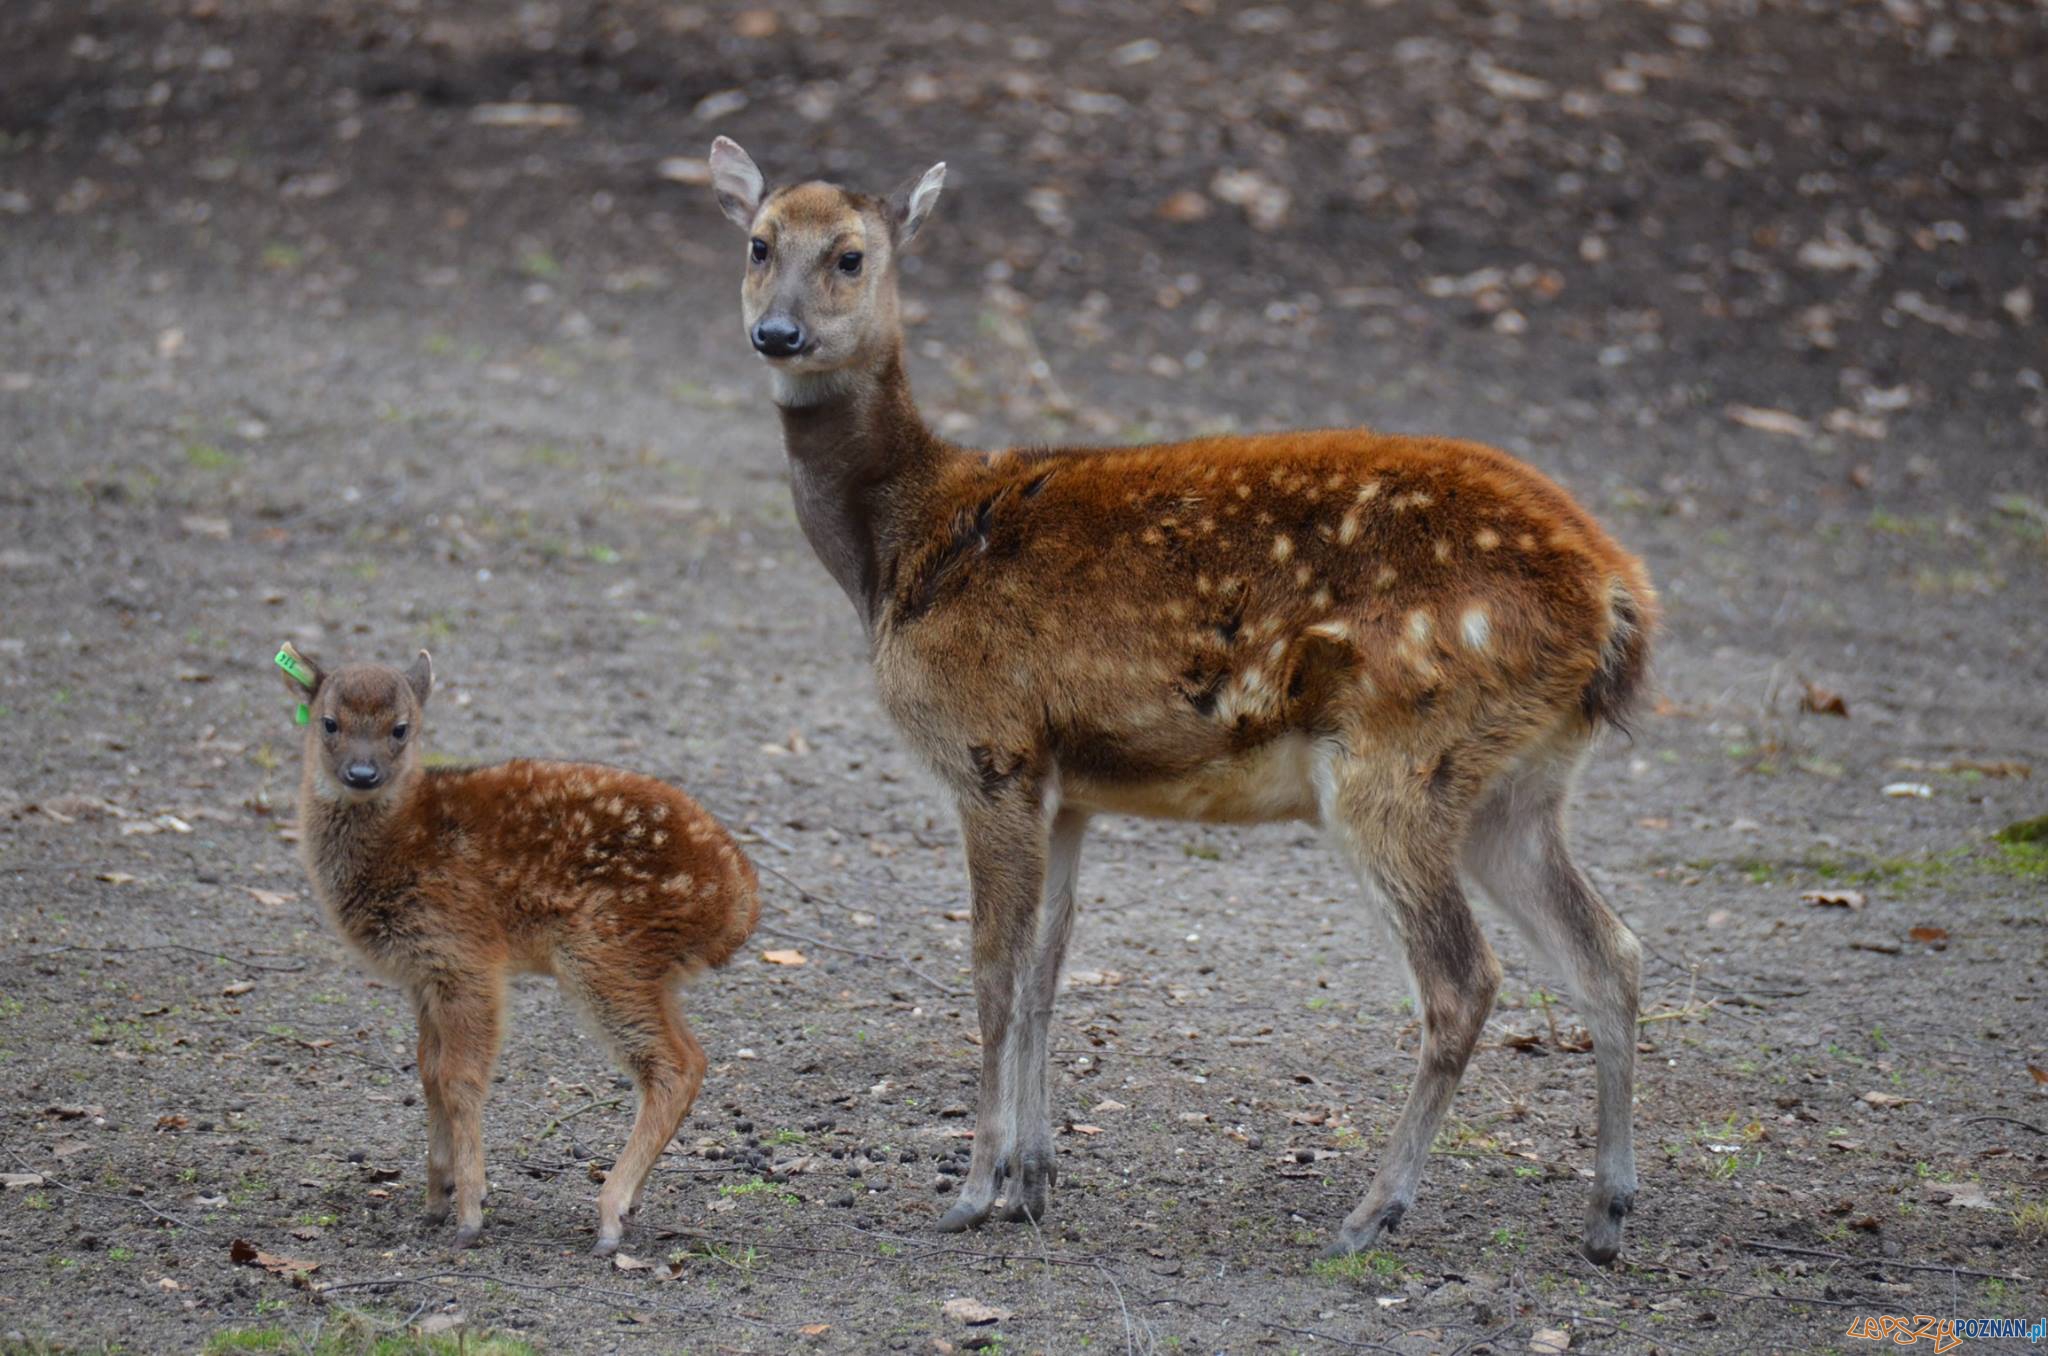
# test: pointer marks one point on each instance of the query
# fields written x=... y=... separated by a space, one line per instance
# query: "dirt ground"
x=304 y=335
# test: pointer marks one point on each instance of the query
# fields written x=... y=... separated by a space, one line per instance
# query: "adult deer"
x=1410 y=642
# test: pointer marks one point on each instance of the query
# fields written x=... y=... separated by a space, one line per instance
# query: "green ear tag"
x=296 y=671
x=289 y=662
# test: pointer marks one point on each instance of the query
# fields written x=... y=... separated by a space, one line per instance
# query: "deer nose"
x=778 y=337
x=361 y=776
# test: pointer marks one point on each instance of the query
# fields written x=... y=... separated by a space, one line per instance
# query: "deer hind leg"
x=1518 y=855
x=1034 y=1169
x=467 y=1023
x=659 y=1051
x=1398 y=828
x=1005 y=832
x=440 y=1144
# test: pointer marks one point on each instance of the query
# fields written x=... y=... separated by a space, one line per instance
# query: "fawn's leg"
x=440 y=1147
x=468 y=1021
x=1006 y=850
x=667 y=1064
x=1036 y=1168
x=1518 y=855
x=1398 y=834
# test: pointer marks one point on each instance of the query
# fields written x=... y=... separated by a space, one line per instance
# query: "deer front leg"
x=467 y=1024
x=1036 y=1169
x=1005 y=833
x=440 y=1143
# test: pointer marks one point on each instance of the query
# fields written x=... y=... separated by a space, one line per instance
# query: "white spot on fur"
x=1347 y=529
x=1477 y=629
x=1418 y=627
x=1385 y=578
x=1486 y=539
x=1283 y=546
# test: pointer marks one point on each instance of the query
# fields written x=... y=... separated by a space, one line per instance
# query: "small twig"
x=1326 y=1337
x=567 y=1116
x=104 y=1195
x=169 y=946
x=808 y=896
x=823 y=945
x=2007 y=1120
x=1758 y=1245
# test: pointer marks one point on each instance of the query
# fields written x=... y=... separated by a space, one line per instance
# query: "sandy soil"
x=299 y=340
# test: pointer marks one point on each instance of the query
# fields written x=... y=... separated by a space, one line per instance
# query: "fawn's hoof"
x=1026 y=1190
x=1358 y=1237
x=604 y=1247
x=1604 y=1216
x=467 y=1235
x=964 y=1215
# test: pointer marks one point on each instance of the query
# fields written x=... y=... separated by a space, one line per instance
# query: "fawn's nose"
x=778 y=337
x=361 y=776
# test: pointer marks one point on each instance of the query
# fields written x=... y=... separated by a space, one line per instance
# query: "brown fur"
x=447 y=881
x=1384 y=635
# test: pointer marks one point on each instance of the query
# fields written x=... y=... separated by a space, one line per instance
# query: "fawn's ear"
x=420 y=677
x=910 y=204
x=302 y=677
x=737 y=181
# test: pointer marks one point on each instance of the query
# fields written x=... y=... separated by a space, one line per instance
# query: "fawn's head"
x=363 y=725
x=820 y=292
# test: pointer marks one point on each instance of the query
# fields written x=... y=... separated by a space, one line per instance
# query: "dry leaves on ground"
x=973 y=1312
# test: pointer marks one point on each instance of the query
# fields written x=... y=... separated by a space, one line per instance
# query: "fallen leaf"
x=1909 y=790
x=439 y=1323
x=783 y=957
x=1108 y=1104
x=118 y=878
x=171 y=1122
x=685 y=169
x=525 y=115
x=2040 y=1074
x=1080 y=1129
x=1927 y=934
x=815 y=1329
x=14 y=1181
x=1187 y=205
x=1885 y=1099
x=973 y=1312
x=238 y=988
x=65 y=1111
x=166 y=1283
x=624 y=1263
x=1771 y=421
x=1837 y=899
x=1551 y=1341
x=248 y=1254
x=1820 y=701
x=273 y=898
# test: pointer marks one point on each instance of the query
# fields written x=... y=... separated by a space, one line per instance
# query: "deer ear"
x=420 y=677
x=737 y=181
x=302 y=677
x=913 y=202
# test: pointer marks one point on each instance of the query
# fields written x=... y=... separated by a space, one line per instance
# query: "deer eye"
x=330 y=724
x=849 y=262
x=758 y=249
x=400 y=730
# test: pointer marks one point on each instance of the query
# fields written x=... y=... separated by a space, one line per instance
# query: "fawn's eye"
x=330 y=724
x=849 y=262
x=757 y=248
x=400 y=730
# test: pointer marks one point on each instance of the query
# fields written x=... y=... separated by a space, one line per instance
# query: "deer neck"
x=862 y=465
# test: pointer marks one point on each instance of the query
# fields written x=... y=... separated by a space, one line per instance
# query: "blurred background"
x=374 y=324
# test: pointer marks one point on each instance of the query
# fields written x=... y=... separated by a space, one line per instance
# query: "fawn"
x=1410 y=642
x=448 y=880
